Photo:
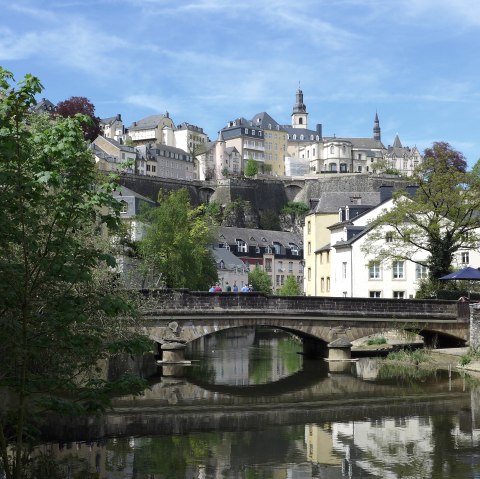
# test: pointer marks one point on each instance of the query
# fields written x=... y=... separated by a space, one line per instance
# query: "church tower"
x=299 y=115
x=376 y=128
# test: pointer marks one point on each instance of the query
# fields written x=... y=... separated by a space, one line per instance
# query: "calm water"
x=250 y=407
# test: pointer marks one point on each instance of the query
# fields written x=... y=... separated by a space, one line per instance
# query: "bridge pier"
x=173 y=353
x=340 y=350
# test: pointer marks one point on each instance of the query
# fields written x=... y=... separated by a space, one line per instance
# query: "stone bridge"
x=173 y=318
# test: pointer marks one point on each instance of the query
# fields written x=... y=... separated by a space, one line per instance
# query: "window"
x=398 y=269
x=322 y=284
x=124 y=207
x=241 y=246
x=309 y=227
x=309 y=274
x=280 y=267
x=290 y=266
x=344 y=270
x=465 y=257
x=421 y=271
x=278 y=280
x=375 y=294
x=268 y=265
x=328 y=283
x=374 y=270
x=399 y=294
x=309 y=248
x=389 y=237
x=294 y=249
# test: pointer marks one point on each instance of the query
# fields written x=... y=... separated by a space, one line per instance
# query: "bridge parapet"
x=183 y=301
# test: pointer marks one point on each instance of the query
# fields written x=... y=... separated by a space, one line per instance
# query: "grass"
x=416 y=357
x=469 y=356
x=374 y=341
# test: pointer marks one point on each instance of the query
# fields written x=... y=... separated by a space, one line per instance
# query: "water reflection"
x=252 y=408
x=244 y=357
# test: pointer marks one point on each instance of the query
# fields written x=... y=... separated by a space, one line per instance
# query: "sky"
x=206 y=62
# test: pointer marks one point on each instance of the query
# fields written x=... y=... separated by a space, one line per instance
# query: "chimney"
x=386 y=192
x=319 y=130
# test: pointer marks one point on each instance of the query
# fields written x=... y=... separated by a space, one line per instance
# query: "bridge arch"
x=292 y=190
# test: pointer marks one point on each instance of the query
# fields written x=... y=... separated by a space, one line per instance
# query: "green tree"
x=270 y=220
x=438 y=219
x=59 y=312
x=290 y=287
x=295 y=208
x=382 y=165
x=251 y=168
x=177 y=241
x=260 y=281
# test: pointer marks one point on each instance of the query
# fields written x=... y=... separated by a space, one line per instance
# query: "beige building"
x=112 y=127
x=165 y=161
x=247 y=138
x=112 y=155
x=152 y=129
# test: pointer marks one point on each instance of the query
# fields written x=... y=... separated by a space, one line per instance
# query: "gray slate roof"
x=229 y=259
x=151 y=121
x=264 y=120
x=331 y=202
x=254 y=237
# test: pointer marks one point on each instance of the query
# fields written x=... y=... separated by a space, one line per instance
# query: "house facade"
x=316 y=234
x=111 y=155
x=278 y=253
x=152 y=129
x=166 y=161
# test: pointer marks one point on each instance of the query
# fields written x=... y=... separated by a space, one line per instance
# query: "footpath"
x=452 y=356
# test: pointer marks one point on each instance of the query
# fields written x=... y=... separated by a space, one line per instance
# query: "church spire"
x=299 y=114
x=376 y=128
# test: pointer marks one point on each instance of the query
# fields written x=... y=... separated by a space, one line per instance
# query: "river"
x=251 y=407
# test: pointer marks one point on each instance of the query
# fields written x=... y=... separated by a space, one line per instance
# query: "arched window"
x=332 y=149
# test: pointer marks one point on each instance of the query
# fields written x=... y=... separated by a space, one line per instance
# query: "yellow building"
x=275 y=143
x=316 y=235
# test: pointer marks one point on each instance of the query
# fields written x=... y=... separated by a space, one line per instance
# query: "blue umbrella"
x=468 y=273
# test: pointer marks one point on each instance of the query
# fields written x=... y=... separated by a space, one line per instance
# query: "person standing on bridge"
x=235 y=287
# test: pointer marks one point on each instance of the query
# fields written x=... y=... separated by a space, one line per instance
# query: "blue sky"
x=206 y=62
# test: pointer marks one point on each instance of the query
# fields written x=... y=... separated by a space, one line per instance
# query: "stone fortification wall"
x=149 y=186
x=316 y=186
x=262 y=194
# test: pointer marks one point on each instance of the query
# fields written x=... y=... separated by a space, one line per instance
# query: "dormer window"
x=278 y=247
x=294 y=249
x=241 y=246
